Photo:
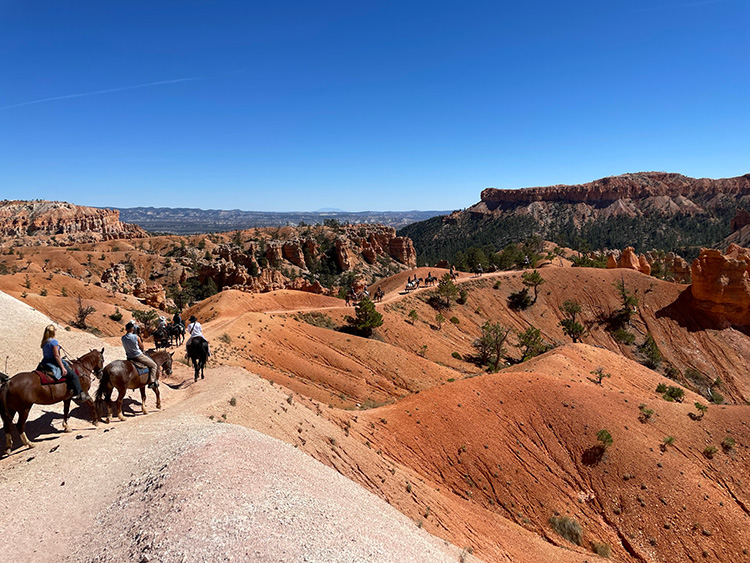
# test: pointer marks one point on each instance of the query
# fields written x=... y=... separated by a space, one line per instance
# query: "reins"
x=91 y=372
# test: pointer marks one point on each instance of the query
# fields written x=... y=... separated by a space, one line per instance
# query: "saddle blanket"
x=140 y=370
x=46 y=378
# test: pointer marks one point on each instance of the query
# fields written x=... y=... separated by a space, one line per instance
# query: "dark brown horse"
x=123 y=375
x=23 y=390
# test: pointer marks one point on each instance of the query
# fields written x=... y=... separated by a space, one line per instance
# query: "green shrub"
x=117 y=315
x=225 y=338
x=457 y=356
x=671 y=393
x=43 y=293
x=568 y=528
x=455 y=320
x=727 y=444
x=604 y=437
x=716 y=397
x=646 y=413
x=651 y=353
x=710 y=451
x=623 y=336
x=668 y=440
x=520 y=300
x=463 y=295
x=413 y=316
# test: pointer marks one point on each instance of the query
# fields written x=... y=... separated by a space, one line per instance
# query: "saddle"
x=47 y=377
x=141 y=370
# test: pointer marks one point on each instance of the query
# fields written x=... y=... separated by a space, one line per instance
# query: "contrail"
x=107 y=91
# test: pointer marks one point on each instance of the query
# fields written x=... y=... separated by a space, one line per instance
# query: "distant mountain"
x=185 y=221
x=648 y=210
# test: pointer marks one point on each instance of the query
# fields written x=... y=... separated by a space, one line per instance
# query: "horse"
x=24 y=389
x=197 y=351
x=161 y=337
x=123 y=375
x=430 y=280
x=379 y=294
x=176 y=333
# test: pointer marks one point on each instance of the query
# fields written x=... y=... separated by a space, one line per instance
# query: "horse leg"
x=21 y=426
x=66 y=415
x=158 y=397
x=94 y=412
x=118 y=403
x=143 y=400
x=8 y=427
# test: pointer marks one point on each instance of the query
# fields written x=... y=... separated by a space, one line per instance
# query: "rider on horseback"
x=195 y=330
x=59 y=367
x=177 y=319
x=133 y=345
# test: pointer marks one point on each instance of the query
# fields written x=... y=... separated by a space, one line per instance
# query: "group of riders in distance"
x=59 y=378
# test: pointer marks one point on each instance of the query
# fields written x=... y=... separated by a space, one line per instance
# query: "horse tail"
x=105 y=386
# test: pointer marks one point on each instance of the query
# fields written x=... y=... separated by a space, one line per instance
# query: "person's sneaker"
x=83 y=397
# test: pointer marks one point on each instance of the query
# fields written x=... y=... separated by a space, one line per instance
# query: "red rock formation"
x=402 y=250
x=292 y=251
x=627 y=186
x=274 y=253
x=152 y=295
x=721 y=284
x=69 y=222
x=643 y=265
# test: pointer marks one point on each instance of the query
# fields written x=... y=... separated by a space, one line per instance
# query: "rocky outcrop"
x=721 y=284
x=668 y=266
x=663 y=189
x=116 y=278
x=292 y=251
x=152 y=295
x=65 y=221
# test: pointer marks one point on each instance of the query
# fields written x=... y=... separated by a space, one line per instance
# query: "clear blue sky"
x=366 y=104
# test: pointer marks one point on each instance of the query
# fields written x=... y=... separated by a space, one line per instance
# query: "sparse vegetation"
x=456 y=356
x=622 y=336
x=727 y=444
x=671 y=393
x=439 y=320
x=520 y=300
x=447 y=289
x=709 y=452
x=701 y=408
x=602 y=549
x=365 y=319
x=629 y=304
x=225 y=338
x=82 y=313
x=600 y=374
x=605 y=438
x=533 y=280
x=117 y=315
x=651 y=353
x=413 y=316
x=318 y=319
x=666 y=441
x=531 y=343
x=490 y=346
x=567 y=527
x=645 y=413
x=146 y=318
x=570 y=325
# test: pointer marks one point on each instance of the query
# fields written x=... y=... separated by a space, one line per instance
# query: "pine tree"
x=366 y=318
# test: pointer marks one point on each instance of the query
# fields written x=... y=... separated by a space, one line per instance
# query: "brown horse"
x=23 y=390
x=123 y=375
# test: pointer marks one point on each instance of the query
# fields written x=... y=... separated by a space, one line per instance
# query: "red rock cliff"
x=73 y=222
x=626 y=186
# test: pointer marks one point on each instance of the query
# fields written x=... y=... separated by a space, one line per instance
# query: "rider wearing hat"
x=195 y=330
x=133 y=345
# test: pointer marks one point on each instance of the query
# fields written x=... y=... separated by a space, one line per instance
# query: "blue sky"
x=299 y=105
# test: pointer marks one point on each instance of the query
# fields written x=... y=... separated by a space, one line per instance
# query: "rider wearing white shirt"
x=195 y=330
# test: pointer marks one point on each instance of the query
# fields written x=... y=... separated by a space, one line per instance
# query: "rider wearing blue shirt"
x=51 y=358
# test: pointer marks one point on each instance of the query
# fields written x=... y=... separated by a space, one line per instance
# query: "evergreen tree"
x=533 y=279
x=446 y=288
x=366 y=318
